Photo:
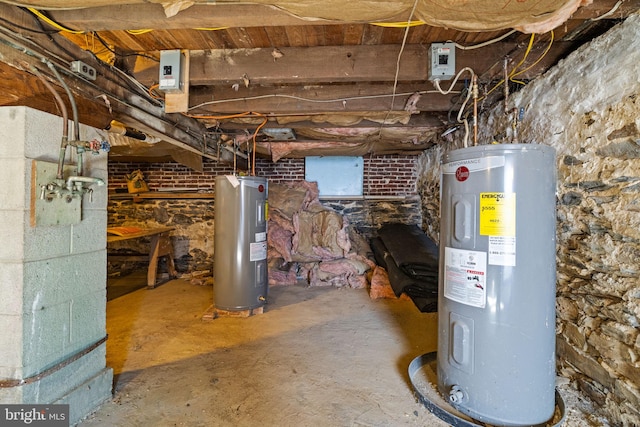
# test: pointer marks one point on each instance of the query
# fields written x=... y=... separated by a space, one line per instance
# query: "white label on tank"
x=502 y=250
x=465 y=276
x=477 y=164
x=258 y=251
x=233 y=180
x=261 y=237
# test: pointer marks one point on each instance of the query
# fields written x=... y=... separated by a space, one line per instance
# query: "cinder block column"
x=52 y=278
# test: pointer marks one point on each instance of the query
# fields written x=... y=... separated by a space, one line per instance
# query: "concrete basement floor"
x=315 y=357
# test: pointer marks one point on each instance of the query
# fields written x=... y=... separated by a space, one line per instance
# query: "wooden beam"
x=18 y=87
x=331 y=64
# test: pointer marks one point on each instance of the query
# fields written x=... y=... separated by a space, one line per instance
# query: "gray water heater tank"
x=240 y=251
x=496 y=307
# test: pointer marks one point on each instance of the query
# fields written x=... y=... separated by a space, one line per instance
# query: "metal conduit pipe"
x=74 y=109
x=65 y=121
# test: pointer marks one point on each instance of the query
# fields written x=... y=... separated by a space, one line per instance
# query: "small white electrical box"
x=171 y=71
x=442 y=58
x=83 y=69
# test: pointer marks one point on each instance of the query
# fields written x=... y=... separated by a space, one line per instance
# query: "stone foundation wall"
x=192 y=238
x=588 y=108
x=367 y=215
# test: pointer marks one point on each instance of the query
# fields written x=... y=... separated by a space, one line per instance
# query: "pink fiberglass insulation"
x=313 y=239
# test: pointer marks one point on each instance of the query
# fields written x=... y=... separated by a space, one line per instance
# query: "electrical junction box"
x=442 y=61
x=171 y=71
x=83 y=69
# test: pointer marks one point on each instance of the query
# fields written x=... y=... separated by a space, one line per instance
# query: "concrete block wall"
x=389 y=187
x=588 y=109
x=52 y=278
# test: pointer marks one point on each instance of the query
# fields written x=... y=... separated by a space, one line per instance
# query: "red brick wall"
x=389 y=175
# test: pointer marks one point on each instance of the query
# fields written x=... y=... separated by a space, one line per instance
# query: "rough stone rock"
x=629 y=149
x=625 y=333
x=566 y=309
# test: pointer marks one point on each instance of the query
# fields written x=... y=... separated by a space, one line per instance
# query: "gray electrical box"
x=442 y=57
x=171 y=70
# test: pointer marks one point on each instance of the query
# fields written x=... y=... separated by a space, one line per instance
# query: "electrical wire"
x=136 y=32
x=255 y=134
x=74 y=107
x=513 y=74
x=139 y=32
x=436 y=84
x=212 y=29
x=152 y=94
x=49 y=34
x=407 y=24
x=40 y=16
x=215 y=117
x=303 y=99
x=53 y=23
x=121 y=55
x=524 y=58
x=404 y=42
x=6 y=21
x=483 y=44
x=59 y=103
x=611 y=12
x=234 y=116
x=31 y=48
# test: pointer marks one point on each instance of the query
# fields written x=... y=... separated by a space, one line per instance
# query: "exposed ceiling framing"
x=343 y=85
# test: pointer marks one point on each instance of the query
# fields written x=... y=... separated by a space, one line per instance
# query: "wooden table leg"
x=154 y=254
x=166 y=249
x=160 y=246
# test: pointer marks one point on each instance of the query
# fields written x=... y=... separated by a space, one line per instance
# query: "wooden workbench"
x=160 y=245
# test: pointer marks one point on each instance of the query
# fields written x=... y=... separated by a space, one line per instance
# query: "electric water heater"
x=240 y=243
x=496 y=345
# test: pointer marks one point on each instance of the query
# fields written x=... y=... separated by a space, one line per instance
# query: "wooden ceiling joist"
x=329 y=64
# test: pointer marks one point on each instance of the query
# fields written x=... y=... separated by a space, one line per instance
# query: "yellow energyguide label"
x=498 y=214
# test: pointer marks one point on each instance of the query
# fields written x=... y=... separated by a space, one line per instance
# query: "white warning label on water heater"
x=502 y=250
x=258 y=251
x=465 y=276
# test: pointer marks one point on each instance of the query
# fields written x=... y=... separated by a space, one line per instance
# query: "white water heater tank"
x=496 y=344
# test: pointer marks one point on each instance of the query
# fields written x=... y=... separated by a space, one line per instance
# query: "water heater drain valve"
x=456 y=395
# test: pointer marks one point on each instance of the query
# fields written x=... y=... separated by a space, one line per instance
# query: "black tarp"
x=411 y=261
